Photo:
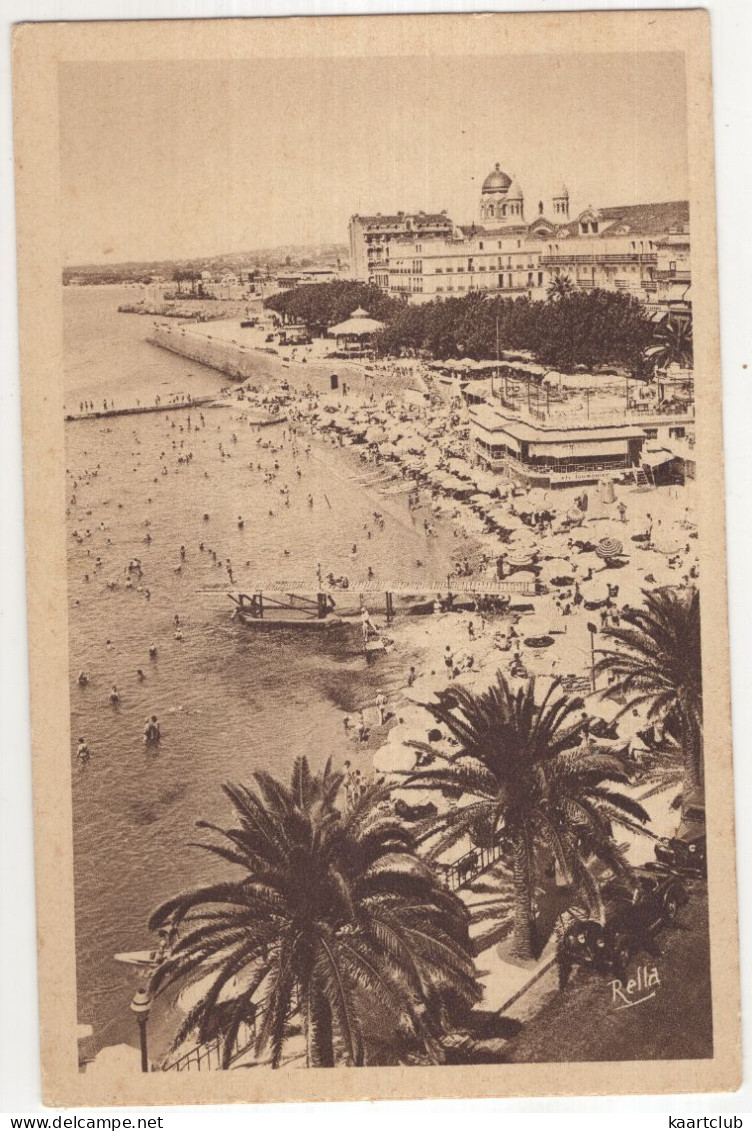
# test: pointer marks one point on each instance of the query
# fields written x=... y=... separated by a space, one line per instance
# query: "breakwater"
x=241 y=362
x=236 y=361
x=139 y=410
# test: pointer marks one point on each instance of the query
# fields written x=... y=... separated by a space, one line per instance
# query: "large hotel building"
x=642 y=249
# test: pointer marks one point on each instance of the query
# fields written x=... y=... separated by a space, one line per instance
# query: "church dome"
x=497 y=180
x=515 y=192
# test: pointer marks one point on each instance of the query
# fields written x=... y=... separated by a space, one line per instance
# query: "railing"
x=625 y=257
x=679 y=276
x=467 y=868
x=209 y=1056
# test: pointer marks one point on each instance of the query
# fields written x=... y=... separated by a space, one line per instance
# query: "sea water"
x=229 y=700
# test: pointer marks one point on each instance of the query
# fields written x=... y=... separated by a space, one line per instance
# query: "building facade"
x=371 y=238
x=640 y=249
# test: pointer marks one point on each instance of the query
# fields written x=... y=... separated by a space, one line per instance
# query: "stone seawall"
x=240 y=362
x=236 y=362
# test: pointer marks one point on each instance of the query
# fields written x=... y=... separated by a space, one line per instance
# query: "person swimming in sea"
x=152 y=731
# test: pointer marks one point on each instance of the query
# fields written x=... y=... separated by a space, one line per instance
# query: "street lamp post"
x=140 y=1007
x=592 y=630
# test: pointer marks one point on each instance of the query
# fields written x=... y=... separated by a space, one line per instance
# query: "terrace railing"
x=464 y=871
x=208 y=1057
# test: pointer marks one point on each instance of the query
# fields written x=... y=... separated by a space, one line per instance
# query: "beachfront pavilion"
x=356 y=333
x=544 y=454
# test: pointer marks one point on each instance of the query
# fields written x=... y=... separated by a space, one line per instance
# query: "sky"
x=182 y=159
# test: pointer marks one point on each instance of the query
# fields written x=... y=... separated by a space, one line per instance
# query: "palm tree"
x=561 y=286
x=332 y=916
x=528 y=778
x=672 y=343
x=657 y=662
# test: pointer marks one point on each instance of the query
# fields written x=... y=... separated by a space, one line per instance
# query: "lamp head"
x=141 y=1004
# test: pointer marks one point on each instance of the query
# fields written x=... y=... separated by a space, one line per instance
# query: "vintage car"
x=687 y=851
x=633 y=914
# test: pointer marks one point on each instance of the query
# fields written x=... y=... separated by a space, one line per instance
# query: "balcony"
x=566 y=260
x=680 y=275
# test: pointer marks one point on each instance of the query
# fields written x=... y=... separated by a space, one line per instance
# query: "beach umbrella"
x=609 y=548
x=555 y=567
x=556 y=545
x=538 y=624
x=536 y=495
x=668 y=544
x=521 y=557
x=587 y=561
x=595 y=590
x=460 y=467
x=394 y=758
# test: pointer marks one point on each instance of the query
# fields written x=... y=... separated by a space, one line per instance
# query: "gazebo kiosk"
x=355 y=335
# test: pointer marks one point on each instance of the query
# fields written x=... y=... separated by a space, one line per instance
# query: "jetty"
x=256 y=418
x=141 y=410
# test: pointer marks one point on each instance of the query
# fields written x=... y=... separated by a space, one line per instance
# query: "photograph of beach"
x=384 y=562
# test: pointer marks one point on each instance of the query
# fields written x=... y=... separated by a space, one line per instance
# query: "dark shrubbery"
x=587 y=328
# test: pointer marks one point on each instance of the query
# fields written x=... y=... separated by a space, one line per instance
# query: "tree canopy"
x=573 y=327
x=325 y=304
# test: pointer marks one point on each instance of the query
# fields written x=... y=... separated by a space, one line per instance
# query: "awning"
x=655 y=459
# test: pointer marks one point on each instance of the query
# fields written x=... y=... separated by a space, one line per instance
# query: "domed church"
x=501 y=201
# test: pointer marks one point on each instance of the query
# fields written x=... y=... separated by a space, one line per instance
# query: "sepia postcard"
x=376 y=557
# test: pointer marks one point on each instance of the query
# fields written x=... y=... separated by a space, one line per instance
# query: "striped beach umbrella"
x=609 y=548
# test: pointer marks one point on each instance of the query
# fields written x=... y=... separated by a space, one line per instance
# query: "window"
x=419 y=248
x=594 y=228
x=519 y=243
x=540 y=278
x=470 y=264
x=677 y=433
x=480 y=245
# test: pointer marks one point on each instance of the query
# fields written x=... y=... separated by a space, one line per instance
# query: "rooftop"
x=492 y=420
x=418 y=219
x=641 y=219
